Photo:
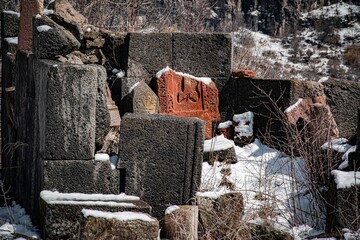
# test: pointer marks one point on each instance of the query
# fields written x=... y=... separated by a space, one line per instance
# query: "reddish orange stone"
x=186 y=97
x=236 y=73
x=28 y=9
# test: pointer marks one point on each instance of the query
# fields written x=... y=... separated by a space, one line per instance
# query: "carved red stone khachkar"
x=187 y=96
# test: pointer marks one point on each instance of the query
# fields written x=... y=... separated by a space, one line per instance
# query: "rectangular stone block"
x=118 y=225
x=61 y=213
x=264 y=97
x=148 y=53
x=343 y=98
x=162 y=158
x=203 y=55
x=70 y=117
x=83 y=176
x=9 y=24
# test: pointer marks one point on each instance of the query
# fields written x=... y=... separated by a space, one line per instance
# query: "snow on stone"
x=213 y=194
x=120 y=74
x=345 y=159
x=12 y=40
x=224 y=125
x=88 y=29
x=245 y=121
x=205 y=80
x=346 y=179
x=93 y=203
x=49 y=196
x=121 y=216
x=43 y=28
x=292 y=107
x=218 y=143
x=48 y=11
x=338 y=144
x=133 y=87
x=255 y=13
x=114 y=70
x=171 y=209
x=11 y=12
x=323 y=79
x=102 y=157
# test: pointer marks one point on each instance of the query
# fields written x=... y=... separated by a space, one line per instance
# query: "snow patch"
x=345 y=159
x=292 y=107
x=218 y=143
x=323 y=79
x=56 y=196
x=102 y=157
x=120 y=216
x=133 y=86
x=205 y=80
x=12 y=12
x=171 y=209
x=120 y=74
x=93 y=203
x=48 y=12
x=245 y=121
x=224 y=125
x=12 y=40
x=338 y=144
x=346 y=179
x=335 y=10
x=43 y=28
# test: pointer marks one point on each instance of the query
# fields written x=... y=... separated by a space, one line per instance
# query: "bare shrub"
x=352 y=55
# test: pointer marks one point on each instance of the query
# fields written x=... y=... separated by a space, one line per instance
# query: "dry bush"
x=352 y=55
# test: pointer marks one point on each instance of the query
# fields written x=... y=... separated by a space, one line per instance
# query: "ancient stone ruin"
x=102 y=131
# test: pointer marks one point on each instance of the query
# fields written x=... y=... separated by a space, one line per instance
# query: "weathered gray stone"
x=72 y=91
x=10 y=24
x=342 y=210
x=162 y=158
x=93 y=227
x=203 y=55
x=343 y=98
x=51 y=39
x=102 y=113
x=141 y=61
x=84 y=176
x=60 y=218
x=267 y=232
x=141 y=99
x=66 y=16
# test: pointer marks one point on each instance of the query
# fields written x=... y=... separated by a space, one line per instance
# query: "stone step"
x=117 y=225
x=61 y=212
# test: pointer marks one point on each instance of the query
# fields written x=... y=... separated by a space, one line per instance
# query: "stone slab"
x=96 y=226
x=70 y=116
x=83 y=176
x=60 y=219
x=343 y=98
x=51 y=39
x=148 y=53
x=162 y=158
x=10 y=24
x=203 y=55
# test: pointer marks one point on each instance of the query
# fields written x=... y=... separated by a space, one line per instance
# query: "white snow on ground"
x=43 y=28
x=121 y=216
x=16 y=221
x=218 y=143
x=335 y=10
x=48 y=11
x=264 y=172
x=49 y=196
x=345 y=162
x=346 y=179
x=102 y=157
x=205 y=80
x=339 y=145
